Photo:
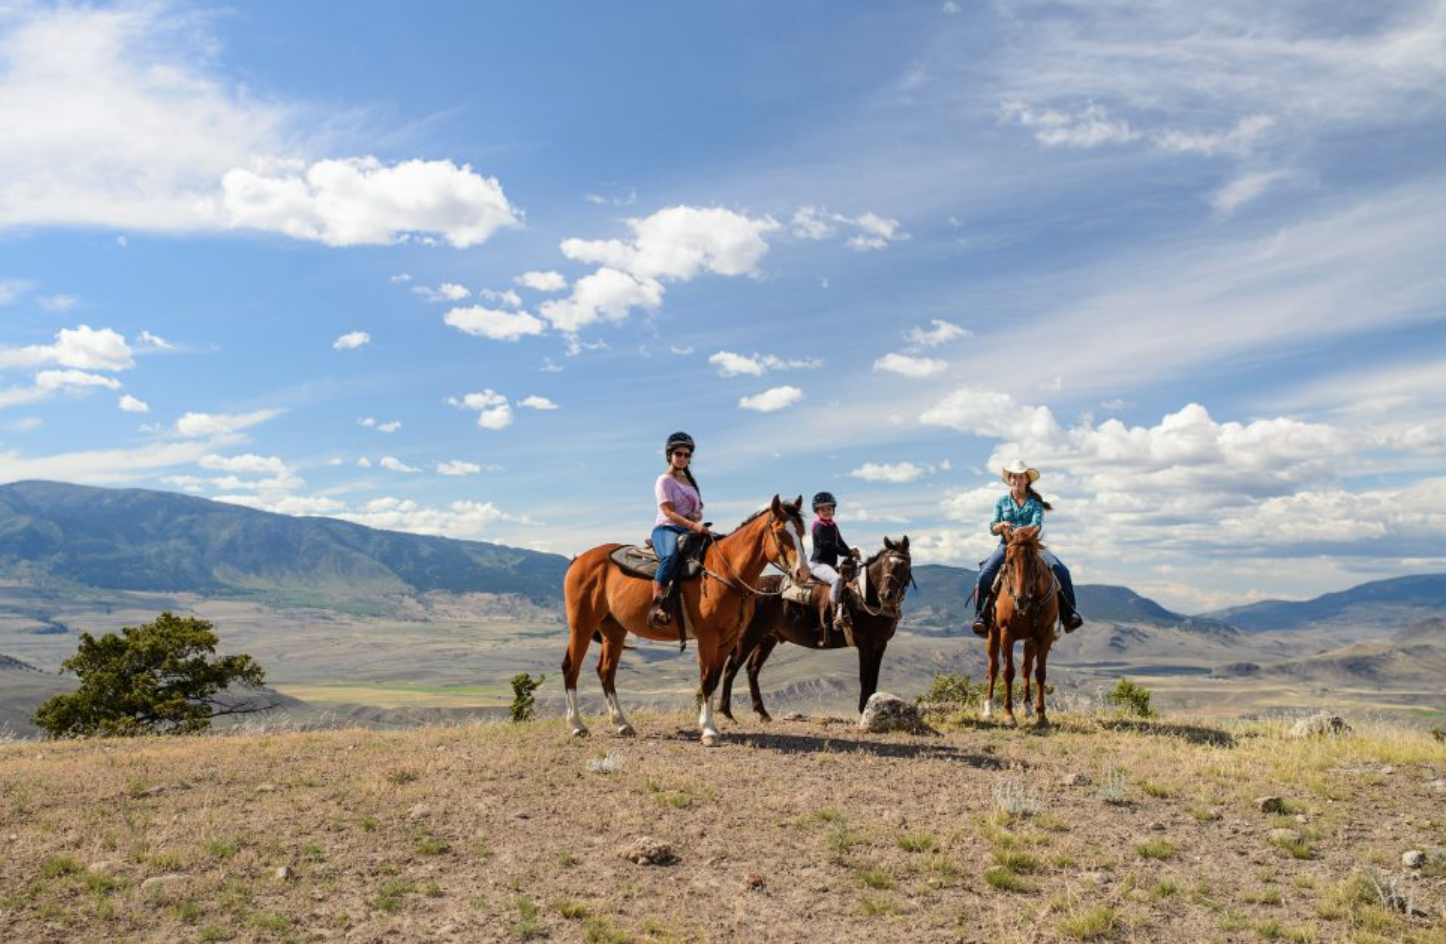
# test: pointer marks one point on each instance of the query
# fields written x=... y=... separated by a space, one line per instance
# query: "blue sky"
x=463 y=272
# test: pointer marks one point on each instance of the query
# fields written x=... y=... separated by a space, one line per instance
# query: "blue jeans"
x=665 y=545
x=989 y=569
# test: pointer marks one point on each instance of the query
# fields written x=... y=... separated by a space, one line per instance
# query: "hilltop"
x=801 y=832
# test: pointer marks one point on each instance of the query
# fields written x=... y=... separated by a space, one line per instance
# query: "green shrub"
x=1131 y=698
x=523 y=685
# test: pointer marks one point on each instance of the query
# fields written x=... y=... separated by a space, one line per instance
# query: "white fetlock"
x=706 y=724
x=574 y=717
x=988 y=711
x=616 y=717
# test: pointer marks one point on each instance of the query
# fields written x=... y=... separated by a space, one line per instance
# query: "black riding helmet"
x=676 y=440
x=824 y=498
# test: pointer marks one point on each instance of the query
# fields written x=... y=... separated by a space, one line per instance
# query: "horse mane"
x=796 y=516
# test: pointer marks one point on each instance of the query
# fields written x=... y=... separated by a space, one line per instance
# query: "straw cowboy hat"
x=1017 y=468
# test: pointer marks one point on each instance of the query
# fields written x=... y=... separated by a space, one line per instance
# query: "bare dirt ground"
x=802 y=831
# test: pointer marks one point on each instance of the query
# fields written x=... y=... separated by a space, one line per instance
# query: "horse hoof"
x=710 y=740
x=1010 y=720
x=765 y=717
x=626 y=730
x=1041 y=723
x=579 y=732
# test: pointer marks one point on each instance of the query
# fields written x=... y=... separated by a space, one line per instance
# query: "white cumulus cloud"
x=82 y=347
x=730 y=364
x=196 y=425
x=493 y=409
x=942 y=332
x=772 y=399
x=496 y=325
x=679 y=242
x=537 y=403
x=607 y=294
x=910 y=366
x=895 y=472
x=130 y=404
x=393 y=464
x=458 y=467
x=1089 y=127
x=350 y=340
x=548 y=281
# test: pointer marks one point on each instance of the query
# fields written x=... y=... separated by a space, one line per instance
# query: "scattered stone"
x=1284 y=835
x=649 y=851
x=161 y=881
x=419 y=811
x=1301 y=818
x=1096 y=878
x=1415 y=859
x=266 y=788
x=155 y=791
x=753 y=881
x=1321 y=725
x=1156 y=827
x=1076 y=779
x=795 y=716
x=1270 y=804
x=1388 y=769
x=285 y=873
x=885 y=712
x=1438 y=785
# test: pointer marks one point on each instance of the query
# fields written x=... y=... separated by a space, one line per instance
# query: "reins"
x=745 y=590
x=891 y=610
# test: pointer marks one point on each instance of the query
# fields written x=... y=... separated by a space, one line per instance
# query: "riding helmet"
x=676 y=440
x=824 y=498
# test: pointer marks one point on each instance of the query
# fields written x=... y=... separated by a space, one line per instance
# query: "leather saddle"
x=640 y=560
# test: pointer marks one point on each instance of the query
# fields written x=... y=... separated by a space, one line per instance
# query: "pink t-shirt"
x=683 y=496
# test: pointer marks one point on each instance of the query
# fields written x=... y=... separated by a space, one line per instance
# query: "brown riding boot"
x=658 y=615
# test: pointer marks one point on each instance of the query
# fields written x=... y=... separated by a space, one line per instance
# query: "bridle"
x=1022 y=601
x=891 y=609
x=740 y=586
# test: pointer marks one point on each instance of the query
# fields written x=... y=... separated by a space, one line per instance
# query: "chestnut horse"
x=887 y=576
x=601 y=599
x=1026 y=610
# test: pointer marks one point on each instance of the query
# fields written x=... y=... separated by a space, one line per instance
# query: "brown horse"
x=887 y=576
x=601 y=599
x=1026 y=610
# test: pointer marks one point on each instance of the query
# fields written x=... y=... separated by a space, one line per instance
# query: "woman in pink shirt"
x=680 y=510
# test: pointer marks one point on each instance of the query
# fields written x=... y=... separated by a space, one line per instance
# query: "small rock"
x=1283 y=835
x=649 y=851
x=1270 y=804
x=1156 y=827
x=1438 y=785
x=1388 y=769
x=419 y=811
x=753 y=880
x=1095 y=878
x=161 y=881
x=155 y=791
x=1415 y=859
x=1076 y=779
x=266 y=788
x=1301 y=818
x=285 y=873
x=795 y=716
x=1321 y=725
x=885 y=712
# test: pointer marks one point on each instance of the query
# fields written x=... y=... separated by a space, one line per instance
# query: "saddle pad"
x=798 y=594
x=640 y=561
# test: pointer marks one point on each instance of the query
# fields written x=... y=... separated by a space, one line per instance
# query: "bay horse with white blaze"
x=886 y=577
x=1026 y=610
x=600 y=598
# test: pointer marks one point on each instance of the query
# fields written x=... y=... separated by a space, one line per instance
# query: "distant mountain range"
x=1386 y=602
x=134 y=539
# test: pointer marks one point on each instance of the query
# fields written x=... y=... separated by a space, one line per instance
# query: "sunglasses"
x=680 y=452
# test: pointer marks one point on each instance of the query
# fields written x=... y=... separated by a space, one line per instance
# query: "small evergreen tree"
x=157 y=678
x=1131 y=698
x=523 y=685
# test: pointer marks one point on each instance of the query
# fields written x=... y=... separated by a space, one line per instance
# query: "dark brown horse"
x=601 y=598
x=1026 y=610
x=887 y=576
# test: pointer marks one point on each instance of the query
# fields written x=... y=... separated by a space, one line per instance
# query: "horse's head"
x=785 y=550
x=1022 y=569
x=891 y=571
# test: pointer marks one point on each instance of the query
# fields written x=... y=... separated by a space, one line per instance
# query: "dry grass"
x=796 y=832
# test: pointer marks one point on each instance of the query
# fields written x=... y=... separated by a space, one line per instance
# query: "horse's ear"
x=798 y=503
x=904 y=543
x=889 y=544
x=777 y=506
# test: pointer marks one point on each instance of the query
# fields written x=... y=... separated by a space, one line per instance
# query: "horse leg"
x=755 y=665
x=1027 y=667
x=1009 y=681
x=580 y=636
x=711 y=673
x=993 y=646
x=607 y=670
x=1041 y=720
x=869 y=661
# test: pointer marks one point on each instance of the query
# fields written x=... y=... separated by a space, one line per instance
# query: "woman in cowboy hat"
x=1021 y=508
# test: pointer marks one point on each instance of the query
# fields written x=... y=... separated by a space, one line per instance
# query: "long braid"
x=693 y=482
x=1029 y=490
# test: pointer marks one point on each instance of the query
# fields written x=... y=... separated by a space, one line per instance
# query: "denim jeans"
x=989 y=569
x=665 y=545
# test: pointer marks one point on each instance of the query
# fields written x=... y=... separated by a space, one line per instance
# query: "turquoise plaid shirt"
x=1021 y=516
